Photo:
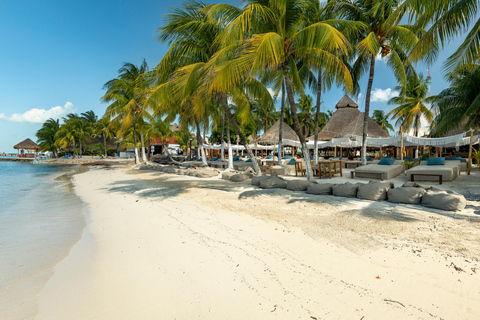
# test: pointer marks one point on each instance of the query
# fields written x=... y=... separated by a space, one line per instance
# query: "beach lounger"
x=448 y=170
x=379 y=170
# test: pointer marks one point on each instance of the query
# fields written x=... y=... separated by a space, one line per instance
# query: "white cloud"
x=383 y=95
x=37 y=115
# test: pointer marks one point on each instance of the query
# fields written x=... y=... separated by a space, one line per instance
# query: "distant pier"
x=17 y=159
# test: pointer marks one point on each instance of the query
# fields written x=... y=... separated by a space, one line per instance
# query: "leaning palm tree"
x=384 y=35
x=459 y=105
x=271 y=41
x=382 y=120
x=411 y=103
x=46 y=136
x=127 y=95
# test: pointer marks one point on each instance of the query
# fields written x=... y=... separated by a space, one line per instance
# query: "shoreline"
x=159 y=245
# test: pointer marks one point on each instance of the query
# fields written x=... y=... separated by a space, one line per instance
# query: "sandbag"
x=256 y=180
x=227 y=175
x=320 y=188
x=409 y=195
x=299 y=185
x=273 y=182
x=170 y=170
x=374 y=191
x=348 y=190
x=239 y=177
x=444 y=200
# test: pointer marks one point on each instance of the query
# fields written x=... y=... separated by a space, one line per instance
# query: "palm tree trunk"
x=142 y=141
x=137 y=159
x=80 y=148
x=367 y=110
x=223 y=136
x=224 y=103
x=280 y=130
x=229 y=143
x=200 y=142
x=317 y=117
x=105 y=143
x=296 y=124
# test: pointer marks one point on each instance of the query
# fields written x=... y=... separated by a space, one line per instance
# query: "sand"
x=161 y=246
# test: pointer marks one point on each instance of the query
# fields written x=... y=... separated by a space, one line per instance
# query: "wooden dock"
x=17 y=159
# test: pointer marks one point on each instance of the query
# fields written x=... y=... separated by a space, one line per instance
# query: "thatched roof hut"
x=271 y=135
x=348 y=120
x=28 y=145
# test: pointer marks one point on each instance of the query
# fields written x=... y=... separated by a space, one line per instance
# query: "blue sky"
x=56 y=56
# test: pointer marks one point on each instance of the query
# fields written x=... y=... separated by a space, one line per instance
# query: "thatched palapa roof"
x=346 y=102
x=271 y=135
x=28 y=145
x=347 y=120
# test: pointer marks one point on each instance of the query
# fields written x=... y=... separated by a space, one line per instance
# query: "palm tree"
x=105 y=129
x=383 y=35
x=305 y=104
x=46 y=135
x=446 y=20
x=161 y=129
x=380 y=118
x=127 y=96
x=459 y=105
x=329 y=67
x=67 y=135
x=274 y=42
x=411 y=103
x=193 y=54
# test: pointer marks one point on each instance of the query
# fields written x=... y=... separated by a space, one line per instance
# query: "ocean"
x=40 y=221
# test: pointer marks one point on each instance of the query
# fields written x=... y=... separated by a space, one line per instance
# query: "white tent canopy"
x=456 y=141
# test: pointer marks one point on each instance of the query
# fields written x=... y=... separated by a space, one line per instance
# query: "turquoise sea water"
x=40 y=220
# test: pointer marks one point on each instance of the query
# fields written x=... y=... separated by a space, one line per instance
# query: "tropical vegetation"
x=226 y=68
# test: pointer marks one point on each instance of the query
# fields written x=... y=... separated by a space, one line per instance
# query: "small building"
x=29 y=146
x=347 y=120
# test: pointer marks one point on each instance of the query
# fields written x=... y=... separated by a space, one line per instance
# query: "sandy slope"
x=160 y=246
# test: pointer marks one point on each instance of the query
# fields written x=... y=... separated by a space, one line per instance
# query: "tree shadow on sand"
x=165 y=187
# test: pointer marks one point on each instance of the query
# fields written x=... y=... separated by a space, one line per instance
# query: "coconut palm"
x=305 y=105
x=193 y=38
x=446 y=20
x=459 y=105
x=411 y=103
x=382 y=120
x=271 y=40
x=105 y=129
x=384 y=35
x=67 y=135
x=322 y=69
x=46 y=135
x=127 y=95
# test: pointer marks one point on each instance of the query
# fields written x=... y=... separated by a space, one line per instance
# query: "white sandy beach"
x=160 y=246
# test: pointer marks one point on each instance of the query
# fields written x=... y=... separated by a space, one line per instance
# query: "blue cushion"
x=407 y=158
x=287 y=157
x=236 y=158
x=337 y=158
x=249 y=160
x=214 y=159
x=291 y=162
x=269 y=156
x=199 y=159
x=386 y=162
x=440 y=161
x=453 y=158
x=368 y=158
